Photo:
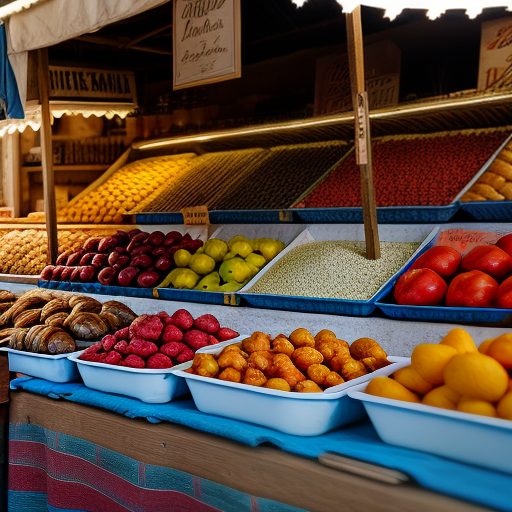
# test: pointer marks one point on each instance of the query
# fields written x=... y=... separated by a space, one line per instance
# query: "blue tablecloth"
x=489 y=488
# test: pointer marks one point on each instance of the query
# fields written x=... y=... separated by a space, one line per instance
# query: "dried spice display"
x=496 y=183
x=210 y=177
x=415 y=170
x=281 y=178
x=125 y=189
x=49 y=322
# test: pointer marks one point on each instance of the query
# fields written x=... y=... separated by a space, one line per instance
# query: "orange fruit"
x=460 y=340
x=474 y=406
x=484 y=346
x=504 y=407
x=477 y=376
x=501 y=350
x=389 y=388
x=412 y=380
x=443 y=397
x=429 y=360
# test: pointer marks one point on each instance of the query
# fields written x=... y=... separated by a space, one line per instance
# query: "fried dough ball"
x=282 y=345
x=302 y=338
x=325 y=335
x=279 y=384
x=346 y=365
x=231 y=375
x=232 y=358
x=254 y=377
x=367 y=347
x=318 y=373
x=261 y=360
x=283 y=367
x=333 y=379
x=328 y=347
x=237 y=347
x=306 y=356
x=308 y=386
x=372 y=363
x=257 y=342
x=205 y=365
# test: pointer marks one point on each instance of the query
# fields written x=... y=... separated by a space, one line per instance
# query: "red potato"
x=164 y=263
x=63 y=257
x=127 y=275
x=138 y=249
x=133 y=232
x=74 y=258
x=172 y=238
x=489 y=259
x=123 y=237
x=47 y=272
x=148 y=279
x=57 y=272
x=503 y=297
x=140 y=238
x=159 y=251
x=141 y=261
x=99 y=260
x=474 y=289
x=108 y=243
x=87 y=273
x=122 y=262
x=156 y=238
x=66 y=273
x=441 y=259
x=420 y=287
x=75 y=275
x=87 y=258
x=107 y=276
x=91 y=244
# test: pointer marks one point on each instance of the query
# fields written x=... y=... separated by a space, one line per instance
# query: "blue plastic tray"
x=197 y=296
x=489 y=210
x=127 y=291
x=219 y=217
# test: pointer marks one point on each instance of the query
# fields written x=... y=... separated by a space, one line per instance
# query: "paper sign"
x=464 y=240
x=196 y=215
x=206 y=42
x=361 y=135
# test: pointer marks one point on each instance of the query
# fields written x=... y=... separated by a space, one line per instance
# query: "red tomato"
x=505 y=243
x=489 y=259
x=441 y=259
x=503 y=298
x=474 y=289
x=420 y=287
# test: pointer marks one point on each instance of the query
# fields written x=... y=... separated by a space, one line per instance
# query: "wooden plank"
x=68 y=168
x=263 y=471
x=362 y=132
x=50 y=206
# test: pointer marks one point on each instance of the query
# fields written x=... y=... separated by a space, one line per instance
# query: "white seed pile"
x=337 y=270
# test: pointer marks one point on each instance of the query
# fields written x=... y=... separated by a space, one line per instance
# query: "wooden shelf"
x=82 y=167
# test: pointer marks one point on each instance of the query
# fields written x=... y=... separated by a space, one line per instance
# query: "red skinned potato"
x=171 y=333
x=172 y=238
x=121 y=262
x=505 y=243
x=441 y=259
x=127 y=275
x=108 y=243
x=147 y=327
x=182 y=319
x=91 y=244
x=57 y=272
x=207 y=323
x=141 y=261
x=134 y=232
x=156 y=238
x=474 y=289
x=75 y=275
x=420 y=287
x=139 y=249
x=63 y=257
x=225 y=333
x=87 y=258
x=489 y=259
x=66 y=273
x=123 y=237
x=140 y=238
x=164 y=263
x=196 y=339
x=100 y=260
x=74 y=258
x=47 y=272
x=503 y=298
x=113 y=257
x=107 y=276
x=148 y=279
x=87 y=274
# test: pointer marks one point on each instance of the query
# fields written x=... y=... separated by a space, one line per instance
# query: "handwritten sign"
x=464 y=240
x=93 y=84
x=495 y=68
x=206 y=42
x=196 y=215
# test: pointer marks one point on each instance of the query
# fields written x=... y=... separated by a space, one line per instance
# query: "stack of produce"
x=134 y=258
x=300 y=363
x=221 y=266
x=455 y=375
x=125 y=189
x=281 y=178
x=420 y=170
x=334 y=269
x=158 y=341
x=442 y=276
x=49 y=323
x=210 y=177
x=24 y=252
x=496 y=183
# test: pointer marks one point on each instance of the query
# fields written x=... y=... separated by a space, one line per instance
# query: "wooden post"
x=47 y=157
x=362 y=131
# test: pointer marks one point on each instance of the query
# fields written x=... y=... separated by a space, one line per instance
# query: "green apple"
x=242 y=248
x=257 y=260
x=185 y=279
x=182 y=258
x=235 y=269
x=216 y=249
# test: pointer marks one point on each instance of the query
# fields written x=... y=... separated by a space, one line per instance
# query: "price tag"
x=156 y=295
x=361 y=135
x=285 y=216
x=197 y=215
x=464 y=240
x=230 y=299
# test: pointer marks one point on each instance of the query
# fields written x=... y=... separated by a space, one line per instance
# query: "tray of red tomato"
x=461 y=276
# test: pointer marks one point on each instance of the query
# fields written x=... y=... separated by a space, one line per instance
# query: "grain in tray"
x=128 y=188
x=334 y=269
x=210 y=177
x=281 y=178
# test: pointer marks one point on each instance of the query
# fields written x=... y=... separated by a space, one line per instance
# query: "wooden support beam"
x=362 y=131
x=50 y=207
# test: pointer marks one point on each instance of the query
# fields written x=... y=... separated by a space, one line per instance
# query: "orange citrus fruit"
x=504 y=408
x=474 y=406
x=389 y=388
x=477 y=376
x=484 y=346
x=443 y=397
x=412 y=380
x=429 y=360
x=501 y=350
x=460 y=340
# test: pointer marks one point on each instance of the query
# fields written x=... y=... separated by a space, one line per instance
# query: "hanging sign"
x=70 y=83
x=194 y=215
x=206 y=42
x=495 y=68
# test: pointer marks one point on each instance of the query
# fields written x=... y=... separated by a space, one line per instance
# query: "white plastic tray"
x=457 y=435
x=55 y=368
x=301 y=414
x=151 y=386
